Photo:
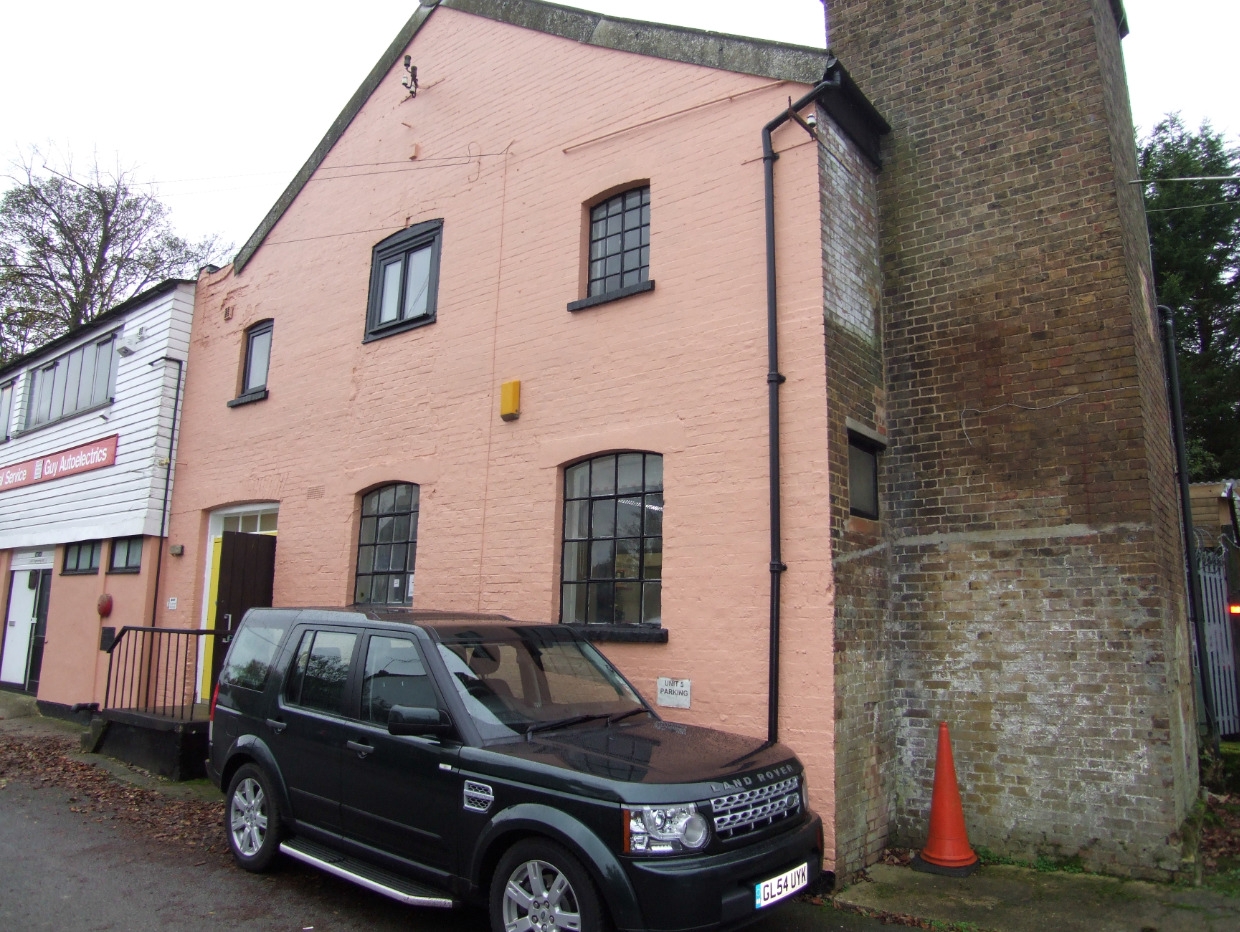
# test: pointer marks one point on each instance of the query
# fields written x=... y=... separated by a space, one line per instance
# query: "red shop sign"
x=88 y=456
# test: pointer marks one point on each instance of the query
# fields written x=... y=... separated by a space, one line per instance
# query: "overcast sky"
x=218 y=104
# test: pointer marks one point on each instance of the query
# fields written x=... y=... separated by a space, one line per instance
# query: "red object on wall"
x=104 y=605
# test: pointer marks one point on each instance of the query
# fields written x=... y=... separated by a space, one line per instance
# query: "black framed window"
x=404 y=280
x=82 y=558
x=77 y=381
x=612 y=566
x=257 y=357
x=863 y=477
x=6 y=405
x=619 y=242
x=126 y=555
x=387 y=545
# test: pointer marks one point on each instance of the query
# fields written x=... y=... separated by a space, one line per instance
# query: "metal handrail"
x=153 y=670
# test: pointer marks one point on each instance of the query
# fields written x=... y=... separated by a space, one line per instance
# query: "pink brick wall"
x=514 y=131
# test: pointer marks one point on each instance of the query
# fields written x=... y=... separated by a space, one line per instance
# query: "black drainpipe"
x=163 y=517
x=830 y=79
x=1195 y=601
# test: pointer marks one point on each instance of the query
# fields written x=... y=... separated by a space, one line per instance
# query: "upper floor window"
x=404 y=280
x=386 y=546
x=257 y=358
x=82 y=557
x=613 y=540
x=620 y=242
x=126 y=555
x=862 y=476
x=80 y=379
x=6 y=405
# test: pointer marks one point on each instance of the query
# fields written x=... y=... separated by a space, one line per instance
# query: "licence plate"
x=770 y=891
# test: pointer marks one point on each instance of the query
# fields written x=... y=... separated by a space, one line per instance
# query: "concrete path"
x=1016 y=899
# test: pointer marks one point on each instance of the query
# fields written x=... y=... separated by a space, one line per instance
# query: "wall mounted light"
x=410 y=81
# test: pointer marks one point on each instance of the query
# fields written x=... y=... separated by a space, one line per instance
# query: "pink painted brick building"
x=314 y=379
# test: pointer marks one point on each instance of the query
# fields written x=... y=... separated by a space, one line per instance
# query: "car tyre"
x=538 y=885
x=252 y=819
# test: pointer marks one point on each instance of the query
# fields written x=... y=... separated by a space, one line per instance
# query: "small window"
x=620 y=242
x=257 y=358
x=394 y=676
x=77 y=381
x=387 y=546
x=82 y=558
x=261 y=522
x=862 y=477
x=613 y=540
x=6 y=405
x=404 y=280
x=321 y=671
x=126 y=555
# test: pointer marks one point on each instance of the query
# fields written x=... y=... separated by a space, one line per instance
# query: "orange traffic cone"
x=947 y=848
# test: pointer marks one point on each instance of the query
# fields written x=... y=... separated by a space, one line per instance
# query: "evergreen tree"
x=1195 y=239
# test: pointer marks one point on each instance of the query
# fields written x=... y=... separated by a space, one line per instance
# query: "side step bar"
x=366 y=875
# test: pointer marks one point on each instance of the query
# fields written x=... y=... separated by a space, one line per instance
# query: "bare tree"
x=73 y=247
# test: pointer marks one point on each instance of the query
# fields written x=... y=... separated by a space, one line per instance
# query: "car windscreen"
x=531 y=679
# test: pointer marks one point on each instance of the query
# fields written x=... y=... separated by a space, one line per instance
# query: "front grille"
x=751 y=810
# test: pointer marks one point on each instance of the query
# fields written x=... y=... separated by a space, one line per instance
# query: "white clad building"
x=86 y=445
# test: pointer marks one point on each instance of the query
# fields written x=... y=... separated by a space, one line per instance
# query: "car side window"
x=320 y=671
x=249 y=662
x=395 y=675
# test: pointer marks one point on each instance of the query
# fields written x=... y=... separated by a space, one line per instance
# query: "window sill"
x=644 y=634
x=248 y=398
x=598 y=299
x=60 y=420
x=130 y=570
x=94 y=572
x=390 y=330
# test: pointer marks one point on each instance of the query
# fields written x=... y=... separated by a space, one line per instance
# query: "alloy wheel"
x=538 y=897
x=248 y=817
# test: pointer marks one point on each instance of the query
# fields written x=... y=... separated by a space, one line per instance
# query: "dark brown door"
x=247 y=571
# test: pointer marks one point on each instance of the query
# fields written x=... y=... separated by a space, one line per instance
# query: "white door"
x=19 y=626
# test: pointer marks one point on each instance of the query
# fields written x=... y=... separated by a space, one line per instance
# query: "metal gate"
x=1219 y=644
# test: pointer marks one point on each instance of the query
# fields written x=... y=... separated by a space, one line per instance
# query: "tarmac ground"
x=997 y=898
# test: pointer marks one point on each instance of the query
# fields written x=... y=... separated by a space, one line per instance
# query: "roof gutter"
x=831 y=80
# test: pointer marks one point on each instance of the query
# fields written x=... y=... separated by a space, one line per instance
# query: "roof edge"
x=856 y=116
x=724 y=52
x=760 y=57
x=368 y=86
x=106 y=319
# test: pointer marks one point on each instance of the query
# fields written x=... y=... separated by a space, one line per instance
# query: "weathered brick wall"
x=852 y=294
x=1036 y=595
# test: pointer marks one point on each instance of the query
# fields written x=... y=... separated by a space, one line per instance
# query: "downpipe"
x=830 y=80
x=163 y=515
x=1195 y=600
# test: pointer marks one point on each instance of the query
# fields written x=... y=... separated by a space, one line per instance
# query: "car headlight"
x=664 y=829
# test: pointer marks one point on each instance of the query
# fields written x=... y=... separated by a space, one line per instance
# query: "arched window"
x=386 y=545
x=612 y=554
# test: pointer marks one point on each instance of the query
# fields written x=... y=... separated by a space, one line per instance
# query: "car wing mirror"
x=413 y=720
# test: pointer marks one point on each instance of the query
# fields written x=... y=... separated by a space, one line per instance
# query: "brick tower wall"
x=864 y=673
x=1036 y=594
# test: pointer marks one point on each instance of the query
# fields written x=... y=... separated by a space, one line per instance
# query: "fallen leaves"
x=1220 y=835
x=44 y=761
